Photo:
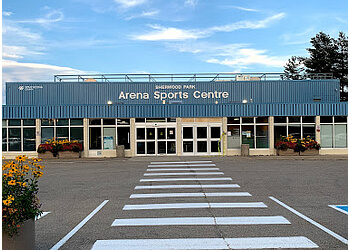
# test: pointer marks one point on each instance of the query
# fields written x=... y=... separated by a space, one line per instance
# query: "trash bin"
x=120 y=151
x=245 y=150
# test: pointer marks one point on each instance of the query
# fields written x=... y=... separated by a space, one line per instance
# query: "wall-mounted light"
x=109 y=102
x=244 y=101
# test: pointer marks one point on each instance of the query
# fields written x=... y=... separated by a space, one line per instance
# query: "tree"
x=294 y=68
x=327 y=55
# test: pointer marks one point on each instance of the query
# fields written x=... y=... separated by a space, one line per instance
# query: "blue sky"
x=43 y=38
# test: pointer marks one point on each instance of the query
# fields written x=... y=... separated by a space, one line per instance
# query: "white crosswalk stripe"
x=194 y=173
x=251 y=220
x=173 y=195
x=188 y=179
x=205 y=243
x=189 y=186
x=196 y=205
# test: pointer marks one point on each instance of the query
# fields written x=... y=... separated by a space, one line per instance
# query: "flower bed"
x=55 y=147
x=305 y=146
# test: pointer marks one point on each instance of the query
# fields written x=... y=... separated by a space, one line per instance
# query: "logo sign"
x=30 y=88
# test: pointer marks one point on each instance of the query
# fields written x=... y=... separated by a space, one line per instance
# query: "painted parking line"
x=182 y=169
x=181 y=165
x=188 y=179
x=178 y=162
x=197 y=173
x=340 y=208
x=80 y=225
x=247 y=220
x=195 y=205
x=337 y=236
x=189 y=186
x=42 y=215
x=205 y=243
x=174 y=195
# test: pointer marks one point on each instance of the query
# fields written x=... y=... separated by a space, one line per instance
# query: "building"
x=173 y=114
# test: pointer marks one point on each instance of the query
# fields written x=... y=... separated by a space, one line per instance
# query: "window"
x=333 y=131
x=247 y=130
x=18 y=135
x=105 y=134
x=62 y=129
x=296 y=126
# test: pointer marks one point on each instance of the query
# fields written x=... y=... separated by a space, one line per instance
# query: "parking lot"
x=193 y=203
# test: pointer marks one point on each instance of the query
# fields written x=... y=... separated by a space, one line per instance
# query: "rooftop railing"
x=187 y=77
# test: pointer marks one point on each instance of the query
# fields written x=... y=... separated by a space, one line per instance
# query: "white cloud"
x=244 y=9
x=144 y=14
x=7 y=13
x=163 y=33
x=46 y=21
x=160 y=33
x=298 y=37
x=9 y=51
x=244 y=57
x=238 y=56
x=126 y=4
x=191 y=3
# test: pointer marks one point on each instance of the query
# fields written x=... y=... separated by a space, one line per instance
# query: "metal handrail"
x=211 y=77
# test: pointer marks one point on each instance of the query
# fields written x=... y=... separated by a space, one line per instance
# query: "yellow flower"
x=10 y=197
x=12 y=182
x=7 y=202
x=24 y=184
x=25 y=168
x=21 y=158
x=36 y=159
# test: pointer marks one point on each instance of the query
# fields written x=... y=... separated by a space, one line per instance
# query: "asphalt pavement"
x=194 y=203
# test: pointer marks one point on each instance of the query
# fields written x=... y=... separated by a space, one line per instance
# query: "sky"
x=42 y=38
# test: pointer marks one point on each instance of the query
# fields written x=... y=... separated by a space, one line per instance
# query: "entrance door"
x=153 y=140
x=201 y=139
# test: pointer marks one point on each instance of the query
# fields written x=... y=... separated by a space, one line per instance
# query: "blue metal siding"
x=212 y=110
x=93 y=93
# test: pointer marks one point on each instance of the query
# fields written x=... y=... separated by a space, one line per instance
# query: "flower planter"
x=69 y=155
x=312 y=151
x=288 y=152
x=46 y=155
x=24 y=240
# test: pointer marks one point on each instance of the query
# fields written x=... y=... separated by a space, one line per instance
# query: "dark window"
x=29 y=122
x=340 y=119
x=263 y=119
x=62 y=133
x=294 y=119
x=280 y=119
x=171 y=119
x=141 y=148
x=76 y=134
x=188 y=133
x=202 y=146
x=140 y=120
x=4 y=139
x=76 y=122
x=202 y=132
x=326 y=119
x=295 y=131
x=108 y=121
x=140 y=132
x=151 y=147
x=29 y=139
x=14 y=139
x=95 y=138
x=308 y=119
x=161 y=147
x=248 y=120
x=15 y=122
x=95 y=121
x=233 y=120
x=171 y=133
x=150 y=134
x=46 y=134
x=188 y=146
x=62 y=122
x=215 y=146
x=123 y=121
x=47 y=122
x=279 y=131
x=171 y=147
x=215 y=132
x=123 y=135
